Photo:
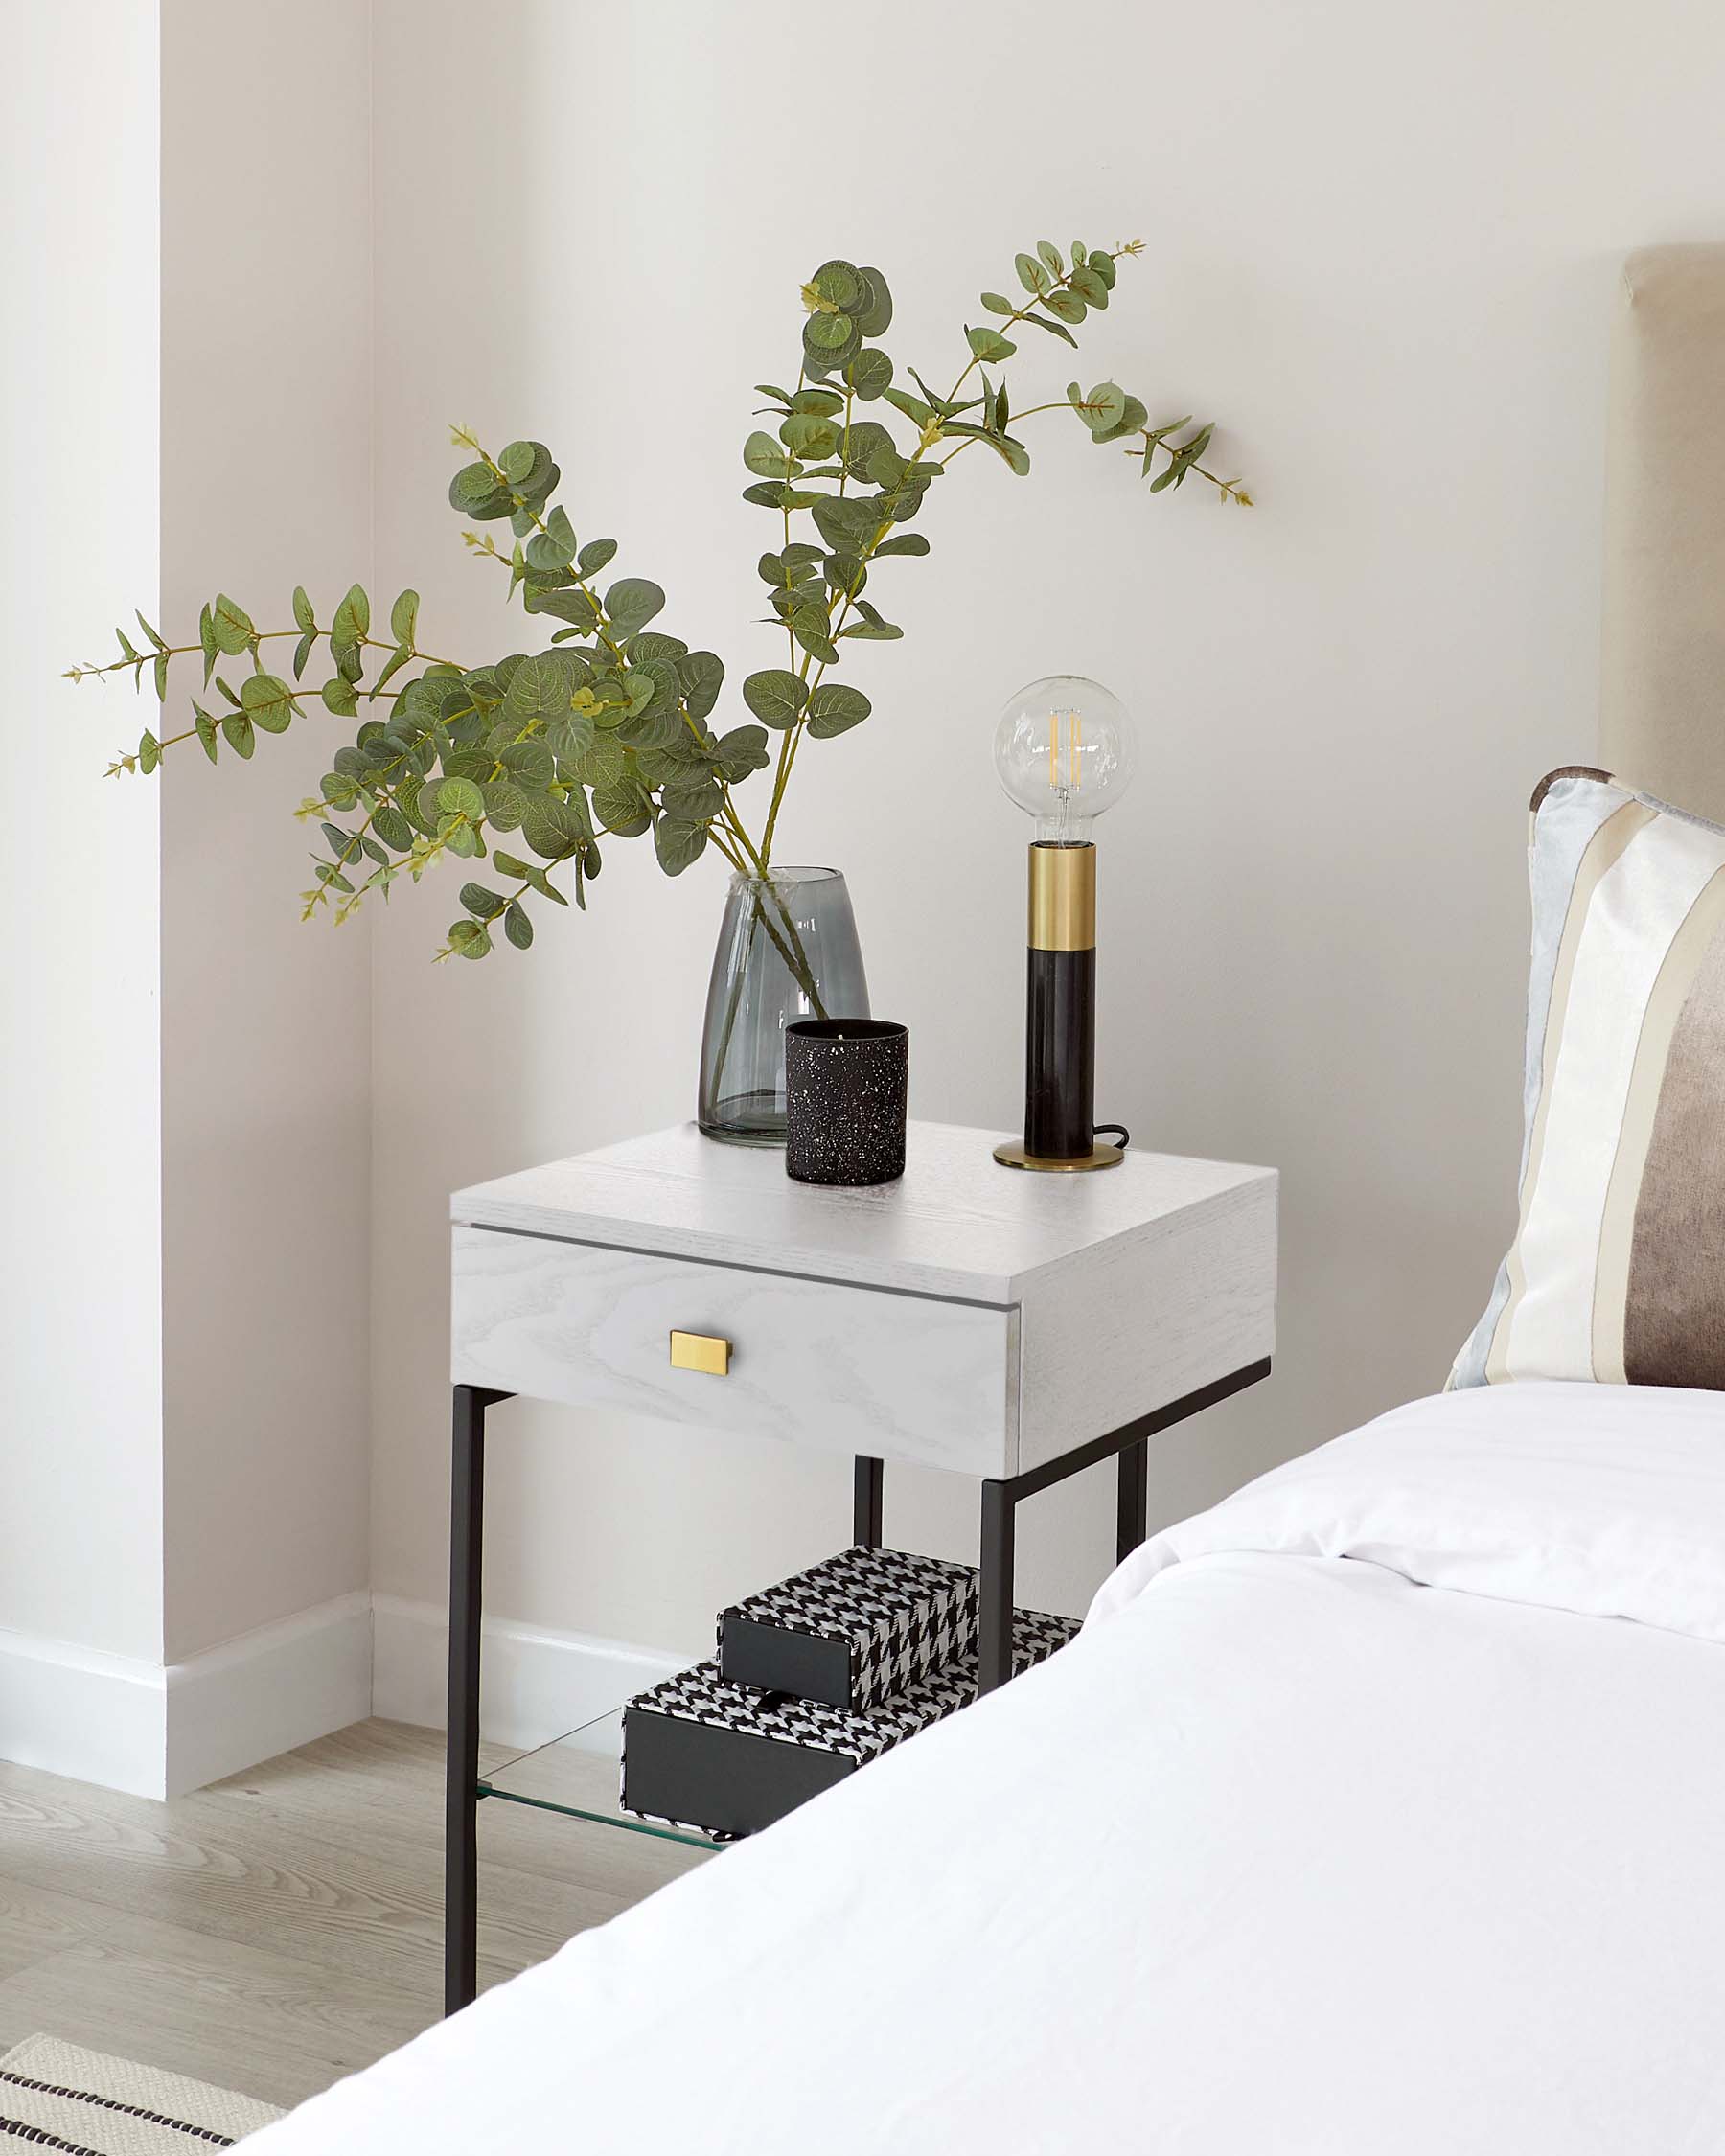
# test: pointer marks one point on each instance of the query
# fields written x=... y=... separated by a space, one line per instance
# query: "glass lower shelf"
x=576 y=1774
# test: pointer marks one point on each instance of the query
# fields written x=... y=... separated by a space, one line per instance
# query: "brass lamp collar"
x=1062 y=895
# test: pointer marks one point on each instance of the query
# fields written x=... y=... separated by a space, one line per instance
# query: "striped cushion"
x=1617 y=1272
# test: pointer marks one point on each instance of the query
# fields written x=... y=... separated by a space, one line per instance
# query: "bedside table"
x=1012 y=1327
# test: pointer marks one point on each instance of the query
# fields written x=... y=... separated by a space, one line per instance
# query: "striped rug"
x=1617 y=1272
x=56 y=2096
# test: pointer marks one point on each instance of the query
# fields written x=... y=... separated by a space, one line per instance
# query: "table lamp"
x=1064 y=749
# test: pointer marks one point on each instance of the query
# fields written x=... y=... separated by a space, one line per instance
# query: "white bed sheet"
x=1357 y=1821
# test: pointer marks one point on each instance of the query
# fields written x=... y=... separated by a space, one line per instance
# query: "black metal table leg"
x=871 y=1475
x=994 y=1587
x=461 y=1796
x=1134 y=1499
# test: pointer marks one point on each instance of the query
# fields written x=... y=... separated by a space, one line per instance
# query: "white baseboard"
x=74 y=1710
x=156 y=1731
x=537 y=1682
x=283 y=1685
x=160 y=1732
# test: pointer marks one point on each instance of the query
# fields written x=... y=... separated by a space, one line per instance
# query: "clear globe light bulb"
x=1065 y=749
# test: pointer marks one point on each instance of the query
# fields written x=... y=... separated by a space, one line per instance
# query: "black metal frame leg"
x=461 y=1794
x=1134 y=1499
x=994 y=1587
x=871 y=1475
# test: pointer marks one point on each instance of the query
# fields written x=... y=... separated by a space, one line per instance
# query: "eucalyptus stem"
x=607 y=734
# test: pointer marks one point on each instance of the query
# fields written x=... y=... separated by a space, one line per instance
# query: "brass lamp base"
x=1098 y=1157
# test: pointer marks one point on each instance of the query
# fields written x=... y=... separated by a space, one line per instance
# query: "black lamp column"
x=1060 y=1032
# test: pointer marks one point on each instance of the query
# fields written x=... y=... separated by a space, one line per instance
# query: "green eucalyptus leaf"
x=834 y=708
x=206 y=636
x=460 y=798
x=468 y=939
x=903 y=542
x=237 y=728
x=158 y=641
x=679 y=844
x=302 y=652
x=1089 y=287
x=1104 y=266
x=990 y=344
x=1131 y=419
x=553 y=548
x=340 y=697
x=741 y=751
x=539 y=688
x=869 y=373
x=594 y=555
x=399 y=657
x=516 y=926
x=769 y=458
x=231 y=625
x=871 y=626
x=403 y=617
x=829 y=340
x=351 y=623
x=392 y=827
x=912 y=407
x=1051 y=258
x=997 y=302
x=776 y=696
x=472 y=488
x=531 y=764
x=304 y=618
x=149 y=752
x=268 y=703
x=1032 y=275
x=824 y=404
x=570 y=738
x=873 y=310
x=516 y=462
x=1104 y=406
x=805 y=434
x=701 y=676
x=1066 y=305
x=632 y=603
x=577 y=608
x=839 y=283
x=505 y=804
x=1054 y=329
x=480 y=902
x=206 y=731
x=622 y=806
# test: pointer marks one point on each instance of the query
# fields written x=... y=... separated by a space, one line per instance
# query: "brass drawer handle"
x=701 y=1351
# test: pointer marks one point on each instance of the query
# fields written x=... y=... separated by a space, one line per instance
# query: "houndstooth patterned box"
x=706 y=1757
x=853 y=1630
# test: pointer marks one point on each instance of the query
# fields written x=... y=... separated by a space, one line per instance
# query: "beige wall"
x=80 y=1450
x=184 y=1076
x=265 y=1038
x=1381 y=248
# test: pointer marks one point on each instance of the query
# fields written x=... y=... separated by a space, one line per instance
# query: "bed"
x=1377 y=1808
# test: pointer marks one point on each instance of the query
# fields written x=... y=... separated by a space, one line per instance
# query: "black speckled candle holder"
x=844 y=1100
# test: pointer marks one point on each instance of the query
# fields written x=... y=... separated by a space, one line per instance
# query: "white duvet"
x=1381 y=1809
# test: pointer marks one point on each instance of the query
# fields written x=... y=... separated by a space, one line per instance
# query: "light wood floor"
x=278 y=1930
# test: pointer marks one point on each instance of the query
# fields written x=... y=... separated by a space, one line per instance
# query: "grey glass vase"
x=787 y=950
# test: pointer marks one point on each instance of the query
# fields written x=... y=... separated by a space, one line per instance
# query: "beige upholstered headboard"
x=1662 y=723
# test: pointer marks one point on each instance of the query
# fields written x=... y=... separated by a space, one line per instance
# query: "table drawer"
x=850 y=1369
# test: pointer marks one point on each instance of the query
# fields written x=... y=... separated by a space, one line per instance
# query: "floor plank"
x=283 y=1927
